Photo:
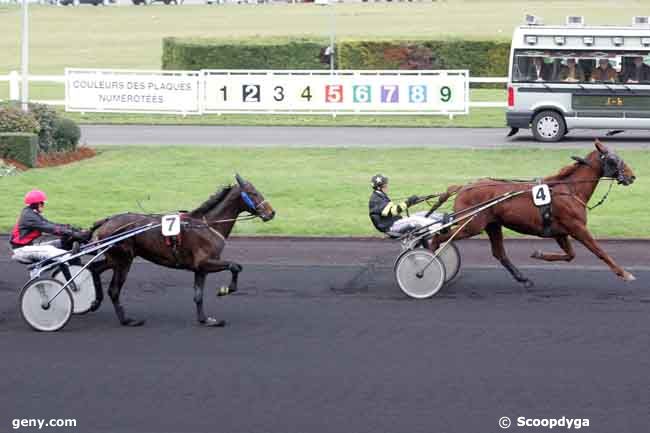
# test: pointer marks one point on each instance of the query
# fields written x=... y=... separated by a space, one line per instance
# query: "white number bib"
x=541 y=195
x=171 y=225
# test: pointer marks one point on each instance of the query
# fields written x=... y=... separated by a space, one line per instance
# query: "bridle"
x=250 y=204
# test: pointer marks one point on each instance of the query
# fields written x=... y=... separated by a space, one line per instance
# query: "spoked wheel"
x=419 y=273
x=450 y=258
x=83 y=289
x=40 y=314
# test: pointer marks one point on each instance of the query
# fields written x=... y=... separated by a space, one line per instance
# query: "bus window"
x=581 y=66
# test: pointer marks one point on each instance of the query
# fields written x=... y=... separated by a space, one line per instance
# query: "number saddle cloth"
x=546 y=212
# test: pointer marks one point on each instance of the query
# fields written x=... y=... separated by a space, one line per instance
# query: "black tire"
x=548 y=126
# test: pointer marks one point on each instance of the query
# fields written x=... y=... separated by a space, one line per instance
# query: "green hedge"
x=13 y=119
x=55 y=133
x=482 y=58
x=19 y=146
x=265 y=54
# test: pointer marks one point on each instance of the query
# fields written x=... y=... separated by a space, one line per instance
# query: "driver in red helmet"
x=32 y=224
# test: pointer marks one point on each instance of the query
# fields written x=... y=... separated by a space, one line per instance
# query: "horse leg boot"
x=566 y=246
x=199 y=283
x=234 y=269
x=498 y=251
x=117 y=282
x=583 y=235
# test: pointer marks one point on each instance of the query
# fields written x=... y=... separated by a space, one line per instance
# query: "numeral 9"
x=445 y=94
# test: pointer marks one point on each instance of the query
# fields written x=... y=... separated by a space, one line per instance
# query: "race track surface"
x=278 y=136
x=320 y=339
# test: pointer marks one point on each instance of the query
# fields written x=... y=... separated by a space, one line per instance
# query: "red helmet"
x=35 y=196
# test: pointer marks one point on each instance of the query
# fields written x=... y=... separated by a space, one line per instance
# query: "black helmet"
x=378 y=181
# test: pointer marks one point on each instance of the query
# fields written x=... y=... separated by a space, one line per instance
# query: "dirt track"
x=319 y=341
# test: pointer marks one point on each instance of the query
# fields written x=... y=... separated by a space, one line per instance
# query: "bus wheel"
x=548 y=126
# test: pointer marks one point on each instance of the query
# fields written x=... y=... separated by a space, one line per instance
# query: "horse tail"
x=98 y=224
x=442 y=198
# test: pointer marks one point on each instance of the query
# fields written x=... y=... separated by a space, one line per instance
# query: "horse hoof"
x=223 y=291
x=537 y=254
x=133 y=323
x=214 y=323
x=528 y=284
x=628 y=277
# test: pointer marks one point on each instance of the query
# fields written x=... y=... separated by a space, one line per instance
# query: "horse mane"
x=564 y=172
x=568 y=170
x=211 y=202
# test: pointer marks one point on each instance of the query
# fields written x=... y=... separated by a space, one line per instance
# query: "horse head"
x=253 y=201
x=613 y=165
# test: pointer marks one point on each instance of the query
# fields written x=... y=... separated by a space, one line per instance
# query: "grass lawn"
x=131 y=37
x=315 y=191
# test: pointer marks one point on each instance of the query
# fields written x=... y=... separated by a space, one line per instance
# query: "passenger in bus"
x=638 y=72
x=556 y=69
x=572 y=72
x=538 y=71
x=604 y=72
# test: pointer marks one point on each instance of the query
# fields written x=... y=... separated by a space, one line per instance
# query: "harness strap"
x=216 y=232
x=546 y=212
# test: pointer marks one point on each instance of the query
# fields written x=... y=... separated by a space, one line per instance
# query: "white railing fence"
x=14 y=79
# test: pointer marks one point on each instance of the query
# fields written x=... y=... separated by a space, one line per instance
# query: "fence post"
x=14 y=86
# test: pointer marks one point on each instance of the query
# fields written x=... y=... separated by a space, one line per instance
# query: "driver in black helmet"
x=386 y=215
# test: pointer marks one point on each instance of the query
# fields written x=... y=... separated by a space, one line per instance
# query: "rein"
x=601 y=201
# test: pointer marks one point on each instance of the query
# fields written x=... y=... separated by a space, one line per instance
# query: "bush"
x=482 y=58
x=19 y=146
x=13 y=119
x=195 y=54
x=66 y=135
x=47 y=118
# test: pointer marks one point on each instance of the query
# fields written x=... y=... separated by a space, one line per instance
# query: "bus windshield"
x=558 y=66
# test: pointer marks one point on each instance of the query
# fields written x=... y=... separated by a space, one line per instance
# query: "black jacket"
x=31 y=225
x=641 y=73
x=383 y=212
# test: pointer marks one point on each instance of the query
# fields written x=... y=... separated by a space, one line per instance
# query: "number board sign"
x=340 y=92
x=126 y=91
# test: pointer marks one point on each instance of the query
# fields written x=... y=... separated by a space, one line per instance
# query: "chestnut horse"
x=198 y=248
x=571 y=188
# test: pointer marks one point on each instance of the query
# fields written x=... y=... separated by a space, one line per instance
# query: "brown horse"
x=198 y=248
x=571 y=188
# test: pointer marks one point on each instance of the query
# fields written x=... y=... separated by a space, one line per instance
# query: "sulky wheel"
x=419 y=273
x=40 y=314
x=450 y=258
x=83 y=289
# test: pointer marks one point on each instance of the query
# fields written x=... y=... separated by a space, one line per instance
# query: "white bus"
x=579 y=77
